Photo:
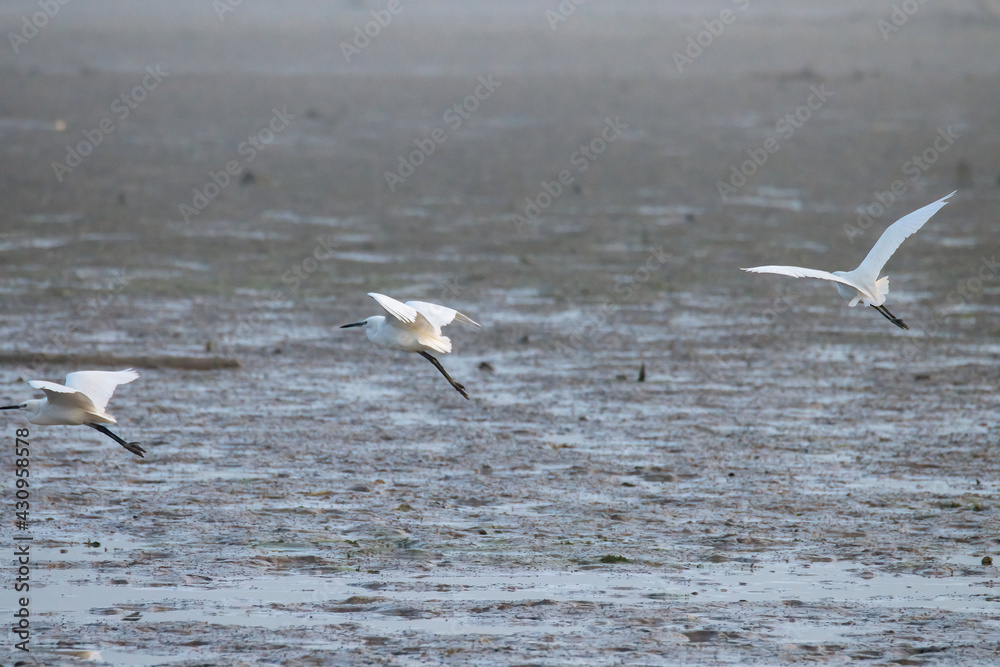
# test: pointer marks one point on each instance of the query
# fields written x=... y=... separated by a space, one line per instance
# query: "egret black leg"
x=889 y=316
x=131 y=446
x=438 y=365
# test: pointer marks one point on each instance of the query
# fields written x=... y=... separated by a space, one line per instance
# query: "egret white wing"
x=51 y=386
x=99 y=385
x=800 y=272
x=66 y=397
x=893 y=236
x=439 y=315
x=397 y=309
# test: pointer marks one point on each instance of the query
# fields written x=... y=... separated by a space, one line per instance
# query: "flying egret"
x=863 y=283
x=80 y=401
x=414 y=326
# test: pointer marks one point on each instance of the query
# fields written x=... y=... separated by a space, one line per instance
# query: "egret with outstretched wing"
x=414 y=326
x=81 y=401
x=863 y=284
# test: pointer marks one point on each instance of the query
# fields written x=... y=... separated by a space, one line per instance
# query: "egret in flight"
x=863 y=284
x=80 y=401
x=414 y=326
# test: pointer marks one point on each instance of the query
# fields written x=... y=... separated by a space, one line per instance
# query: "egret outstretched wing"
x=440 y=316
x=800 y=272
x=99 y=385
x=407 y=318
x=892 y=237
x=65 y=397
x=51 y=387
x=414 y=326
x=397 y=309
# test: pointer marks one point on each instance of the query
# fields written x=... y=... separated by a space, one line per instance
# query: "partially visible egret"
x=80 y=401
x=863 y=283
x=414 y=326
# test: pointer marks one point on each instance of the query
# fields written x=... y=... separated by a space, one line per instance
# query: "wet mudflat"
x=791 y=481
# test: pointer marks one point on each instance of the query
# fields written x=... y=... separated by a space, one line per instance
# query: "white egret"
x=414 y=326
x=863 y=283
x=80 y=401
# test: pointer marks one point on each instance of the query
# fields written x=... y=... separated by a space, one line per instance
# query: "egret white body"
x=414 y=326
x=81 y=401
x=863 y=284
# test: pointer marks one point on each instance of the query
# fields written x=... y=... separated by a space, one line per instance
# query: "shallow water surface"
x=791 y=480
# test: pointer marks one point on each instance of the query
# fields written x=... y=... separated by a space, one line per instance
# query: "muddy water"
x=793 y=480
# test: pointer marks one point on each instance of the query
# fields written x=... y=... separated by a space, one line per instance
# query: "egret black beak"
x=10 y=407
x=356 y=324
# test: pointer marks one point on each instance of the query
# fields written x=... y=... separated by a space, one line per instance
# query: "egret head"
x=372 y=326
